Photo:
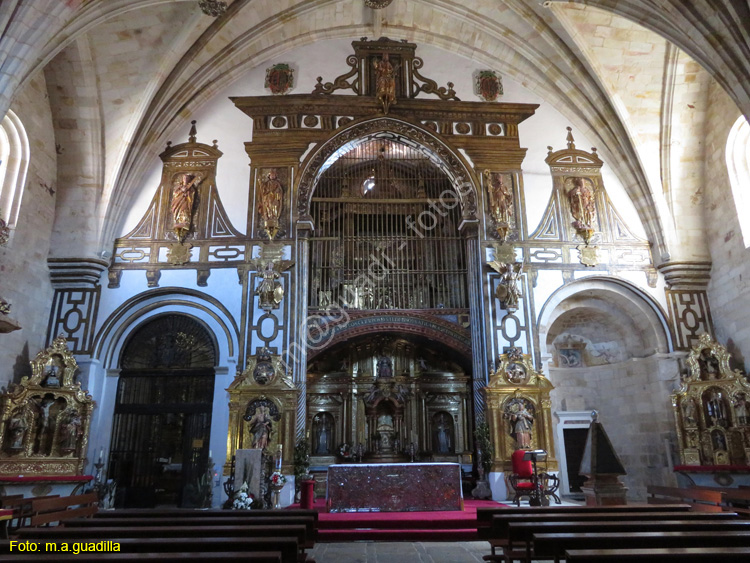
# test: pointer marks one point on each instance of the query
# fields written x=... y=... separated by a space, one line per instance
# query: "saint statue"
x=270 y=201
x=323 y=435
x=740 y=409
x=385 y=367
x=582 y=205
x=261 y=426
x=385 y=81
x=522 y=422
x=501 y=202
x=443 y=435
x=183 y=196
x=17 y=427
x=70 y=430
x=269 y=290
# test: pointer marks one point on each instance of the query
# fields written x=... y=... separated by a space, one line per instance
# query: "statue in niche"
x=501 y=202
x=715 y=410
x=385 y=81
x=70 y=430
x=740 y=408
x=322 y=428
x=516 y=373
x=183 y=196
x=521 y=421
x=385 y=366
x=17 y=426
x=718 y=440
x=582 y=206
x=689 y=410
x=270 y=201
x=709 y=365
x=45 y=427
x=443 y=433
x=261 y=425
x=52 y=372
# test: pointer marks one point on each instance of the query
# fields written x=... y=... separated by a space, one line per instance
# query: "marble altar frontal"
x=395 y=487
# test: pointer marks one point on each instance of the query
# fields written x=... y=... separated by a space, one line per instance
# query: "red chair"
x=523 y=479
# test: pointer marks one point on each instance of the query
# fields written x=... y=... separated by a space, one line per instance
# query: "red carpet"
x=456 y=525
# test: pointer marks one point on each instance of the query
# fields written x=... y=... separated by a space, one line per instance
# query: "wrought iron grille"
x=386 y=233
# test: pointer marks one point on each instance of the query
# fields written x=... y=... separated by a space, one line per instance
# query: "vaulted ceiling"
x=127 y=73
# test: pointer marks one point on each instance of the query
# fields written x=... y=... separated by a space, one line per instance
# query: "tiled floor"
x=400 y=552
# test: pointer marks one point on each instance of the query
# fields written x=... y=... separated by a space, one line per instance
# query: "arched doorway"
x=162 y=417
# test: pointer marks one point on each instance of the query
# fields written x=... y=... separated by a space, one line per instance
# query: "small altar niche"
x=710 y=410
x=45 y=419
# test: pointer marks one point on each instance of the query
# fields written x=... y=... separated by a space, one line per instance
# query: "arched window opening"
x=738 y=166
x=14 y=163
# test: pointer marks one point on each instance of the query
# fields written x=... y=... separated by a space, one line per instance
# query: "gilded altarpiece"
x=710 y=409
x=45 y=419
x=262 y=409
x=518 y=410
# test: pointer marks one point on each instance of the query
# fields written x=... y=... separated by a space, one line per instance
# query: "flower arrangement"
x=243 y=500
x=277 y=479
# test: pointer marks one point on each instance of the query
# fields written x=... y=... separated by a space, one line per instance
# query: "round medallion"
x=344 y=120
x=431 y=125
x=494 y=129
x=463 y=128
x=310 y=120
x=278 y=122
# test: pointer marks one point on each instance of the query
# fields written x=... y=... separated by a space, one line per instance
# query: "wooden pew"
x=61 y=533
x=47 y=510
x=192 y=513
x=732 y=499
x=21 y=507
x=699 y=500
x=681 y=555
x=485 y=514
x=554 y=546
x=521 y=533
x=288 y=548
x=253 y=557
x=120 y=523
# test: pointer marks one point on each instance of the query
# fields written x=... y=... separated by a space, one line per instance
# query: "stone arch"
x=14 y=163
x=738 y=166
x=126 y=319
x=442 y=154
x=625 y=311
x=433 y=329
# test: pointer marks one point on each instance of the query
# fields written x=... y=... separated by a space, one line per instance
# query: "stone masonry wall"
x=729 y=289
x=24 y=276
x=632 y=398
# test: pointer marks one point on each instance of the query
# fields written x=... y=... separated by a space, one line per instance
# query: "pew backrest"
x=48 y=510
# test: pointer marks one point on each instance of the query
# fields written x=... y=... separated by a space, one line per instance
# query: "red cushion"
x=521 y=468
x=525 y=485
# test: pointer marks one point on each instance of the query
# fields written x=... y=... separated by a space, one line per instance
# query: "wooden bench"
x=681 y=555
x=21 y=507
x=120 y=523
x=288 y=548
x=699 y=500
x=59 y=509
x=732 y=499
x=554 y=546
x=192 y=513
x=520 y=534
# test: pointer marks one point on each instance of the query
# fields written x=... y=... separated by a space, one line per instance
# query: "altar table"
x=394 y=487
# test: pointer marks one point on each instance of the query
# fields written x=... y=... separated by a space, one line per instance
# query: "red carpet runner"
x=400 y=526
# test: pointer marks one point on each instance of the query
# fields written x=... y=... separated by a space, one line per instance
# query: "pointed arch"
x=14 y=164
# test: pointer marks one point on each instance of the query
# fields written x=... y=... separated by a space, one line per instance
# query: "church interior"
x=374 y=233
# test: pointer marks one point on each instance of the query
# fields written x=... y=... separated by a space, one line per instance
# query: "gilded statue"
x=261 y=425
x=385 y=81
x=270 y=201
x=501 y=202
x=183 y=197
x=582 y=207
x=508 y=290
x=522 y=422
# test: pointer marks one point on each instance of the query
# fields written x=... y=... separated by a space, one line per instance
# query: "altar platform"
x=394 y=487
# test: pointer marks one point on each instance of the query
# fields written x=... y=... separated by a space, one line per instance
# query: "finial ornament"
x=193 y=132
x=569 y=138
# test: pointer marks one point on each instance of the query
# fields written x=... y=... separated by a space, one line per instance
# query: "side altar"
x=394 y=487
